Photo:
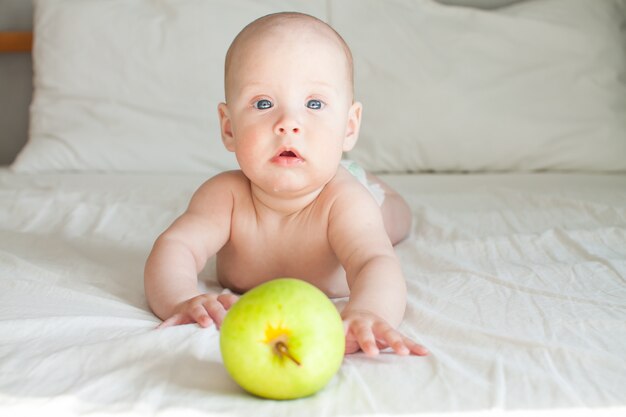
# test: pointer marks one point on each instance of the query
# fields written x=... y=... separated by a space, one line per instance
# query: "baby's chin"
x=291 y=188
x=288 y=182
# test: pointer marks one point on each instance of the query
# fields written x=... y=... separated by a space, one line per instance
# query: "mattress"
x=516 y=285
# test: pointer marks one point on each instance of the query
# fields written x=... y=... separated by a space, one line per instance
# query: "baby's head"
x=294 y=27
x=289 y=111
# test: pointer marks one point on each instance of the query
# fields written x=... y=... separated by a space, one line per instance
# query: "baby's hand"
x=367 y=332
x=204 y=309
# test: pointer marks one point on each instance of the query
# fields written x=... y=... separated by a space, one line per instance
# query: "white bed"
x=516 y=283
x=516 y=264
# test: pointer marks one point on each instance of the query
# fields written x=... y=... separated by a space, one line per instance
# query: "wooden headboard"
x=16 y=41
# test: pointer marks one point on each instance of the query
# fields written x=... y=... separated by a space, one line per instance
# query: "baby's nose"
x=283 y=130
x=287 y=125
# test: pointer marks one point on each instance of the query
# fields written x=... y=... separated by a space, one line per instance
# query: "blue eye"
x=262 y=104
x=314 y=104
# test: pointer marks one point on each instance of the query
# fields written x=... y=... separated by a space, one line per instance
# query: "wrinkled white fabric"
x=516 y=283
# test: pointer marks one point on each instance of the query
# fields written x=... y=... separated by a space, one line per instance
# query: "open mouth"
x=288 y=154
x=287 y=157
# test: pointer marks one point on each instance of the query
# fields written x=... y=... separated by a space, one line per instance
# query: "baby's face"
x=289 y=113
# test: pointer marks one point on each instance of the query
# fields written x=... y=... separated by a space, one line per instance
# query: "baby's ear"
x=226 y=127
x=353 y=126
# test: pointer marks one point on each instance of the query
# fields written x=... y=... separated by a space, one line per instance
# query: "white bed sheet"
x=517 y=285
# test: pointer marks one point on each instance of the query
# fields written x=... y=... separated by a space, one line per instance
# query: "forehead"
x=288 y=46
x=282 y=48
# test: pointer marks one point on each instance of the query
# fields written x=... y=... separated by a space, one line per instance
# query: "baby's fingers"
x=352 y=346
x=415 y=348
x=174 y=320
x=364 y=336
x=216 y=306
x=216 y=311
x=197 y=314
x=227 y=300
x=401 y=344
x=200 y=314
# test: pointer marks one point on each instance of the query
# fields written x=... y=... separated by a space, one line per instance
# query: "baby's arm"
x=377 y=286
x=180 y=253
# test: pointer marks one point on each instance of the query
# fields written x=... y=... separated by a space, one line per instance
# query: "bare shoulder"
x=352 y=209
x=220 y=188
x=356 y=229
x=204 y=227
x=234 y=178
x=344 y=190
x=208 y=215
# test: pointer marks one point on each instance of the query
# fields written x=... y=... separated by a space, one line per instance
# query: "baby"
x=293 y=210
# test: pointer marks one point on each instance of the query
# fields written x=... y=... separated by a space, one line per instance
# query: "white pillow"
x=540 y=85
x=483 y=4
x=133 y=85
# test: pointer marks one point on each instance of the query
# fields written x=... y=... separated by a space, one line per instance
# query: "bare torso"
x=264 y=245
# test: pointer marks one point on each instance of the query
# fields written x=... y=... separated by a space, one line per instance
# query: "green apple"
x=283 y=339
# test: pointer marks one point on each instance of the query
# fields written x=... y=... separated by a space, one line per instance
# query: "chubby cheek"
x=247 y=136
x=248 y=146
x=329 y=141
x=246 y=155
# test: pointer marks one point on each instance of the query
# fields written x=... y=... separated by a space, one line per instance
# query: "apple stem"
x=282 y=349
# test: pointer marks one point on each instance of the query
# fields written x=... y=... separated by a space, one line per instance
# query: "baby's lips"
x=288 y=153
x=287 y=157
